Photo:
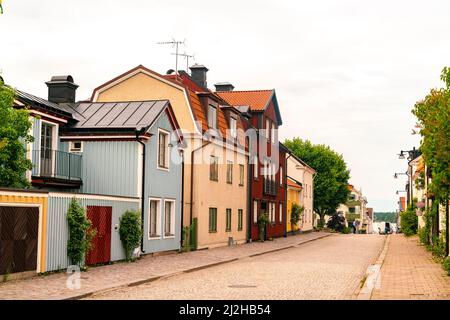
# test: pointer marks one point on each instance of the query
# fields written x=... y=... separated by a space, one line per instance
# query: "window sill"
x=214 y=180
x=154 y=238
x=212 y=231
x=170 y=236
x=241 y=185
x=163 y=168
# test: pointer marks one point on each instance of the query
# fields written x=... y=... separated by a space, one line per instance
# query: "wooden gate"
x=19 y=228
x=101 y=244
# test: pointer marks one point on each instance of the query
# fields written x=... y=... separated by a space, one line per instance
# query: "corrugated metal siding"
x=57 y=227
x=109 y=167
x=164 y=185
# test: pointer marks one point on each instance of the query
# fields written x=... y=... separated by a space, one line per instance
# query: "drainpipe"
x=249 y=198
x=142 y=186
x=192 y=177
x=182 y=198
x=285 y=195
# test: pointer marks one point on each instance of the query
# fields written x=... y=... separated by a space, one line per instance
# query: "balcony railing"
x=56 y=164
x=270 y=187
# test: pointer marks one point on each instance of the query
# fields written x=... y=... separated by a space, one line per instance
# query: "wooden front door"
x=18 y=239
x=101 y=244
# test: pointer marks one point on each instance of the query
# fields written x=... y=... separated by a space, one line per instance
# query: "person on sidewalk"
x=354 y=226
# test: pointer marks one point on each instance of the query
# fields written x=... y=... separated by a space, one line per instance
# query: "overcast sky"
x=346 y=73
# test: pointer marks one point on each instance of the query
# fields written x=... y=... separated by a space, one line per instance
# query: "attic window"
x=76 y=146
x=212 y=117
x=233 y=127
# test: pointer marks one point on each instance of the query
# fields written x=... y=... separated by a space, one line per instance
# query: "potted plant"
x=263 y=219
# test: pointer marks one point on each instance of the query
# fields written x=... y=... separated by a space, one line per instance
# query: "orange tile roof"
x=257 y=100
x=193 y=91
x=293 y=184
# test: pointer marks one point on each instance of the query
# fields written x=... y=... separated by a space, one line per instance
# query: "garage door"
x=18 y=239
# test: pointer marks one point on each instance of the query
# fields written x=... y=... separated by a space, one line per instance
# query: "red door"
x=101 y=244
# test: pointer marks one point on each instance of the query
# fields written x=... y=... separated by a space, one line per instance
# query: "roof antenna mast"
x=187 y=57
x=175 y=44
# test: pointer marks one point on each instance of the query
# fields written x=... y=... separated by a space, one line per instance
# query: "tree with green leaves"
x=14 y=136
x=433 y=113
x=332 y=175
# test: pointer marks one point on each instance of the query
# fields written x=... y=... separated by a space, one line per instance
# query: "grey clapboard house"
x=112 y=158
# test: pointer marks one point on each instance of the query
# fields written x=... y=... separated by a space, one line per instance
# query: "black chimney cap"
x=224 y=86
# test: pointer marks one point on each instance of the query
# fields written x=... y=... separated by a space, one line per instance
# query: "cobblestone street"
x=329 y=268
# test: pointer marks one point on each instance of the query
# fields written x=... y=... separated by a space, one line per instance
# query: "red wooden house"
x=268 y=158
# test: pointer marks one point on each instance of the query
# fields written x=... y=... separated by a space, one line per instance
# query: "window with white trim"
x=281 y=176
x=241 y=175
x=154 y=218
x=229 y=171
x=272 y=134
x=233 y=127
x=212 y=117
x=280 y=217
x=272 y=212
x=76 y=146
x=267 y=129
x=169 y=218
x=255 y=167
x=255 y=212
x=163 y=149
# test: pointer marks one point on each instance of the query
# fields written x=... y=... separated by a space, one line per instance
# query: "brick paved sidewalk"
x=409 y=272
x=147 y=269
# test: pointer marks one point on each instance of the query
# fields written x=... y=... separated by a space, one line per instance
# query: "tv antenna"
x=175 y=44
x=187 y=57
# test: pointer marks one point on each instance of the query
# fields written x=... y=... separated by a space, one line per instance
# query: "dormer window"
x=233 y=128
x=212 y=117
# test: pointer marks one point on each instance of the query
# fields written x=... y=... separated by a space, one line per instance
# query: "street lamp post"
x=412 y=154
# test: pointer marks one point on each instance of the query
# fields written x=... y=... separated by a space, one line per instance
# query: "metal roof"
x=44 y=104
x=118 y=115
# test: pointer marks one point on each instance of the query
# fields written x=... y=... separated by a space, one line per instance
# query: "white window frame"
x=212 y=123
x=281 y=175
x=166 y=150
x=172 y=218
x=55 y=134
x=272 y=133
x=233 y=127
x=72 y=149
x=268 y=129
x=280 y=213
x=255 y=211
x=256 y=168
x=158 y=218
x=230 y=172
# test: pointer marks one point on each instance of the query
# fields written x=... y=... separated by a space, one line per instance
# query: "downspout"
x=249 y=199
x=182 y=199
x=285 y=195
x=192 y=178
x=142 y=186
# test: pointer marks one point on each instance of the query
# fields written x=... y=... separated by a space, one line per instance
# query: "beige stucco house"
x=301 y=191
x=215 y=160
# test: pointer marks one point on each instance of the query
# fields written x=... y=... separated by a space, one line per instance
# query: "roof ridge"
x=256 y=90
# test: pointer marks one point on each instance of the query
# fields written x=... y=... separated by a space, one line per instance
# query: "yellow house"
x=215 y=160
x=300 y=178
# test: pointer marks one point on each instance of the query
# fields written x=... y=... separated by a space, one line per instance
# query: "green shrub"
x=336 y=222
x=446 y=265
x=296 y=214
x=80 y=233
x=409 y=221
x=438 y=246
x=130 y=232
x=347 y=230
x=424 y=236
x=263 y=219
